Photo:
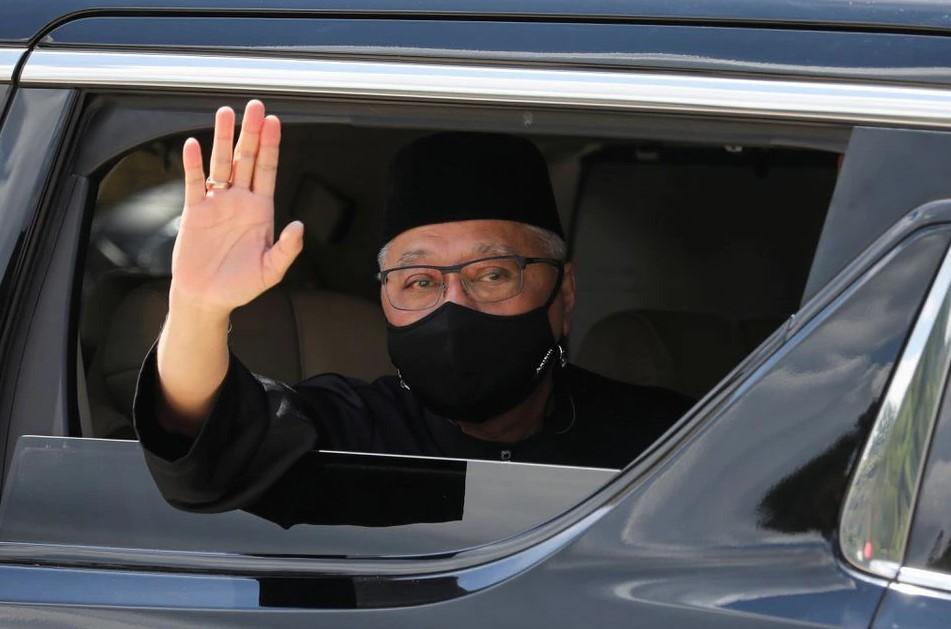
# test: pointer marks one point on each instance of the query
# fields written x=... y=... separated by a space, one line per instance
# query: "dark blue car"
x=757 y=195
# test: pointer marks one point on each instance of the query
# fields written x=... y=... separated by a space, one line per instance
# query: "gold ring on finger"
x=213 y=184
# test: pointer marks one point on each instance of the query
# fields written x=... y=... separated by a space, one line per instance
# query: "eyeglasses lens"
x=484 y=280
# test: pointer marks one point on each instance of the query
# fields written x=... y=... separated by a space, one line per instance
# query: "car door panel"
x=913 y=607
x=698 y=540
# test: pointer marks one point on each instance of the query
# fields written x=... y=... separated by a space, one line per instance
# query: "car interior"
x=687 y=255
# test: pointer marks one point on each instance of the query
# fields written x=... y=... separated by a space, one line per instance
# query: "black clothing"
x=259 y=428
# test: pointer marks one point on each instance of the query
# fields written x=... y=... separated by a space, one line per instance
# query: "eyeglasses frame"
x=522 y=261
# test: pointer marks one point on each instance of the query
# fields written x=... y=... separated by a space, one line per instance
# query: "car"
x=757 y=199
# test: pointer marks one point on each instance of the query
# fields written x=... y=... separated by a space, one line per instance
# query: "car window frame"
x=549 y=536
x=10 y=58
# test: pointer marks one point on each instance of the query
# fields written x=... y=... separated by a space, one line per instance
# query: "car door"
x=730 y=520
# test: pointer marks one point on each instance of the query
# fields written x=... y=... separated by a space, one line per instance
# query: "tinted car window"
x=929 y=546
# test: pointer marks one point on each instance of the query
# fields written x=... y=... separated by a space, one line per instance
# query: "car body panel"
x=884 y=172
x=724 y=50
x=22 y=21
x=912 y=607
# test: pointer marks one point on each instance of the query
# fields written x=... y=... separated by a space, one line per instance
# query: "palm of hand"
x=219 y=253
x=225 y=254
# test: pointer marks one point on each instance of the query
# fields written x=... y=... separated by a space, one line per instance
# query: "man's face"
x=453 y=243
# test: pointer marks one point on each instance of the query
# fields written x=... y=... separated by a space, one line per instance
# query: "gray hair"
x=553 y=245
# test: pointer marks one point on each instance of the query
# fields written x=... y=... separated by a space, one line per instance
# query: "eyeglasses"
x=485 y=280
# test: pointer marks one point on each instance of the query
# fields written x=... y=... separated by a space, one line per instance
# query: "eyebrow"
x=411 y=256
x=490 y=249
x=484 y=248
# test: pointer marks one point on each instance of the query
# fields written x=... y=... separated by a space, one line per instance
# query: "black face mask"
x=472 y=366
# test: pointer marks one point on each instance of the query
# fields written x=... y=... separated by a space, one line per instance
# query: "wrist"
x=199 y=313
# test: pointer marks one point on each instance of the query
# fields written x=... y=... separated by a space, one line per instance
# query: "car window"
x=929 y=549
x=887 y=476
x=722 y=277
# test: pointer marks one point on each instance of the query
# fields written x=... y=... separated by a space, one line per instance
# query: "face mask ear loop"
x=562 y=356
x=402 y=382
x=562 y=359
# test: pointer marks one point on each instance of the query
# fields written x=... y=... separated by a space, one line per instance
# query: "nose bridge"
x=455 y=290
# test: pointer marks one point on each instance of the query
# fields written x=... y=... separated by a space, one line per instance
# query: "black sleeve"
x=257 y=430
x=359 y=490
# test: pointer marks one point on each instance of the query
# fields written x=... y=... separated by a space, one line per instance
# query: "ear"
x=568 y=297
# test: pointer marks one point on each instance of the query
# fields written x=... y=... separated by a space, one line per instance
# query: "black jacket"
x=259 y=428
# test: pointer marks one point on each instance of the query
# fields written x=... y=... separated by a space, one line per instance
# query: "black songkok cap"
x=459 y=176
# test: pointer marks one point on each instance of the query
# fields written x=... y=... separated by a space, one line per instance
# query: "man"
x=478 y=301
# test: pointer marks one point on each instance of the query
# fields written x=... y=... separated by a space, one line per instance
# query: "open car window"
x=681 y=271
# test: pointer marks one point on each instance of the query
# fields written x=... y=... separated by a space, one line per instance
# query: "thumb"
x=279 y=257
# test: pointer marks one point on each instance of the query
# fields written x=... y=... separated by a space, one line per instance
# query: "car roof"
x=22 y=22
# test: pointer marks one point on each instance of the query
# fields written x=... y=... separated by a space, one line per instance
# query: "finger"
x=278 y=258
x=247 y=148
x=194 y=173
x=221 y=150
x=265 y=167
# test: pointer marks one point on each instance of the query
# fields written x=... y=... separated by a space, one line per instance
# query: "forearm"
x=192 y=363
x=255 y=431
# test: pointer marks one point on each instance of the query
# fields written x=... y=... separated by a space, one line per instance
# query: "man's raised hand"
x=225 y=254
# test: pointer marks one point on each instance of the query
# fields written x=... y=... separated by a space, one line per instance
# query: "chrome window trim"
x=880 y=502
x=9 y=58
x=925 y=578
x=917 y=591
x=619 y=90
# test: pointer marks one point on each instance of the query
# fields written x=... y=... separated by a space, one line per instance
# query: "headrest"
x=683 y=351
